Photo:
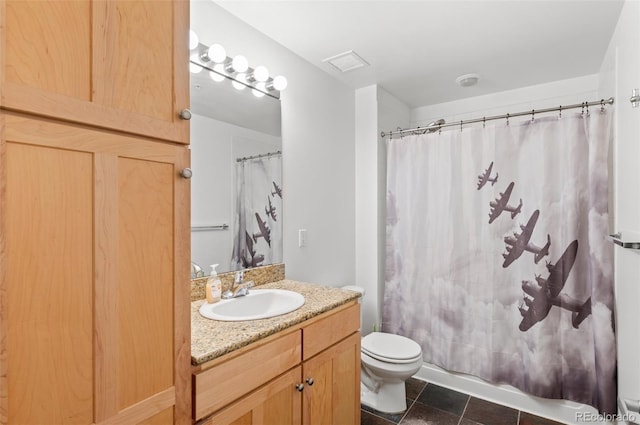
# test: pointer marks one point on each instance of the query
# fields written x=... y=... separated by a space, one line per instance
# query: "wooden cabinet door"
x=276 y=403
x=334 y=395
x=232 y=378
x=94 y=290
x=116 y=64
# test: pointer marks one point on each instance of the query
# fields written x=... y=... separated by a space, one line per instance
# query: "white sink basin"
x=259 y=304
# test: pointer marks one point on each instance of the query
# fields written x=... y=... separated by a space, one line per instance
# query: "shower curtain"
x=258 y=213
x=497 y=259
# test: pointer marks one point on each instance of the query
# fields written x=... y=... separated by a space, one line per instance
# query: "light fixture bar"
x=274 y=94
x=225 y=68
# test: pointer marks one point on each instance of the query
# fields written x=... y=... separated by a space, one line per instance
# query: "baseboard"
x=558 y=410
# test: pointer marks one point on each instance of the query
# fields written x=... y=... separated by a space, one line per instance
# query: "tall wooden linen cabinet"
x=94 y=216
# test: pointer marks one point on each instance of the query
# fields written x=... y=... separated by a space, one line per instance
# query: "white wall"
x=215 y=145
x=318 y=134
x=392 y=113
x=564 y=92
x=376 y=109
x=619 y=74
x=366 y=216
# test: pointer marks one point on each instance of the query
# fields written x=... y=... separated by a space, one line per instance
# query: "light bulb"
x=240 y=64
x=280 y=83
x=219 y=68
x=260 y=86
x=194 y=69
x=217 y=53
x=193 y=40
x=216 y=77
x=261 y=73
x=237 y=83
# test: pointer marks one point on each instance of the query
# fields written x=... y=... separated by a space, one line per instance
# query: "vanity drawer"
x=327 y=331
x=218 y=386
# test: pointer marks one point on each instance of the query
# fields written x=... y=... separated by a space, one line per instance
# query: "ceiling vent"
x=347 y=61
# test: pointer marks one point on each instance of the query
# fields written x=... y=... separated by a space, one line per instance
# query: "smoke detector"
x=347 y=61
x=468 y=80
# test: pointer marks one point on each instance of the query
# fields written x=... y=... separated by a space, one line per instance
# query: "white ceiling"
x=417 y=48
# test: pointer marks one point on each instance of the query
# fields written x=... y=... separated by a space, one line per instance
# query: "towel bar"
x=626 y=239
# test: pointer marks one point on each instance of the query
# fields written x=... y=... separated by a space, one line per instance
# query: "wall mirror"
x=236 y=189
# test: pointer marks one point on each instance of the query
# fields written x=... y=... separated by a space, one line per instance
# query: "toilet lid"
x=390 y=347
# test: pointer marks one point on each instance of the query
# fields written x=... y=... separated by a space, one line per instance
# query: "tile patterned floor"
x=430 y=404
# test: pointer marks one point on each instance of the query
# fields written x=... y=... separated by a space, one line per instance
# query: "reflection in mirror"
x=236 y=191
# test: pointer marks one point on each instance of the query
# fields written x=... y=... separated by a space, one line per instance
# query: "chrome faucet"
x=196 y=271
x=239 y=288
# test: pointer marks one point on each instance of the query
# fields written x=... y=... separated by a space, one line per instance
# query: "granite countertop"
x=213 y=338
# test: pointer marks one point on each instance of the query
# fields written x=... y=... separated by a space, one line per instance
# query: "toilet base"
x=390 y=398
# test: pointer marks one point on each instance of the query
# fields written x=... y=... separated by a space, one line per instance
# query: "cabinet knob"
x=310 y=381
x=185 y=114
x=300 y=387
x=186 y=173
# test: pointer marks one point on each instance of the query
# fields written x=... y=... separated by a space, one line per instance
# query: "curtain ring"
x=440 y=129
x=582 y=113
x=560 y=116
x=533 y=114
x=587 y=105
x=601 y=105
x=484 y=121
x=507 y=119
x=461 y=126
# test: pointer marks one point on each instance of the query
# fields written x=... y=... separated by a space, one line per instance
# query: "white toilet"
x=387 y=361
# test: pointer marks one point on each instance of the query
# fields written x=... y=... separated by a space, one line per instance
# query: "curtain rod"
x=262 y=155
x=532 y=112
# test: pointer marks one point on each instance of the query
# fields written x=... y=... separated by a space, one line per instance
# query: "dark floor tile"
x=367 y=418
x=395 y=418
x=529 y=419
x=487 y=413
x=443 y=399
x=421 y=414
x=414 y=387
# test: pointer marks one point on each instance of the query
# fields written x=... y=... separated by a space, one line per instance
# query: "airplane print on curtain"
x=497 y=257
x=258 y=213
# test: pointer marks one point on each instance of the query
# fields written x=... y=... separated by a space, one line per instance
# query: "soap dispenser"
x=214 y=286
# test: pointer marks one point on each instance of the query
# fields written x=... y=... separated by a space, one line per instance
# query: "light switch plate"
x=302 y=238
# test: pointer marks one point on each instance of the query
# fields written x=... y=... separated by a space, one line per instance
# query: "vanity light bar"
x=214 y=59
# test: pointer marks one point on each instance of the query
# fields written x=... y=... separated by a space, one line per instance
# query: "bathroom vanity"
x=299 y=368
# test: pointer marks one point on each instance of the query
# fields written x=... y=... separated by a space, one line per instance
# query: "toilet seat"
x=390 y=348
